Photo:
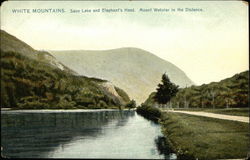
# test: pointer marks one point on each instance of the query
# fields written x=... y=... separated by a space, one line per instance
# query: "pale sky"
x=208 y=46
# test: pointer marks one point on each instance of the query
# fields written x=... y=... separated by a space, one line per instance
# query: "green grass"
x=229 y=111
x=205 y=138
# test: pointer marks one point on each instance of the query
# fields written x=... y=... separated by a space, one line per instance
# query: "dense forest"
x=228 y=93
x=31 y=82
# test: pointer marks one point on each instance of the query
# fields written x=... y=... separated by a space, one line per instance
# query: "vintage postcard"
x=125 y=79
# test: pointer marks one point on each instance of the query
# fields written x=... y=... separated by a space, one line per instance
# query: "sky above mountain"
x=208 y=45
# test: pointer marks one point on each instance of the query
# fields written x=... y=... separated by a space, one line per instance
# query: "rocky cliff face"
x=109 y=87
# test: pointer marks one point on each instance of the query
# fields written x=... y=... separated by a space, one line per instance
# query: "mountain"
x=32 y=79
x=230 y=92
x=10 y=43
x=135 y=70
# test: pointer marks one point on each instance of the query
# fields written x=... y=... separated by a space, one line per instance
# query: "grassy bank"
x=205 y=138
x=149 y=112
x=230 y=111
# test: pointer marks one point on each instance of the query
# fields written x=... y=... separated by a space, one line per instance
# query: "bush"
x=149 y=112
x=131 y=104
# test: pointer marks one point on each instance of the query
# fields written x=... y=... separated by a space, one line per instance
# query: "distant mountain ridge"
x=135 y=70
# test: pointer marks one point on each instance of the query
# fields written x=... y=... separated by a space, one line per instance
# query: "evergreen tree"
x=166 y=90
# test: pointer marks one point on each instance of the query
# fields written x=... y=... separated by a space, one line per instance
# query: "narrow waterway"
x=81 y=134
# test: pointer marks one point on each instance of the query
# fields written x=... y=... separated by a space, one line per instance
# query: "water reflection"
x=164 y=148
x=101 y=134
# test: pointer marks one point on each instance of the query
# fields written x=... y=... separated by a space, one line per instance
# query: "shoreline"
x=57 y=110
x=192 y=136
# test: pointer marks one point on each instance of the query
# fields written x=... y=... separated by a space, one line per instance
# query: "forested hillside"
x=230 y=92
x=28 y=82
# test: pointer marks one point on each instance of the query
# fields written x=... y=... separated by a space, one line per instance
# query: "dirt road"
x=214 y=115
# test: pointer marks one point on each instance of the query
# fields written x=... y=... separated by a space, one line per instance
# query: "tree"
x=166 y=90
x=131 y=104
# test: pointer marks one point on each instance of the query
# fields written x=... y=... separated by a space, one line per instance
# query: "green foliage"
x=231 y=92
x=228 y=93
x=149 y=112
x=131 y=104
x=150 y=101
x=32 y=79
x=165 y=91
x=27 y=83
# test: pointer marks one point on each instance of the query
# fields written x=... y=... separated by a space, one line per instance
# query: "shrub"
x=149 y=112
x=131 y=104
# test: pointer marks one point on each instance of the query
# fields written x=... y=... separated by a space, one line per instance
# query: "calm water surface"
x=81 y=134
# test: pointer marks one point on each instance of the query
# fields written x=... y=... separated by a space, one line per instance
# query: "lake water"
x=81 y=134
